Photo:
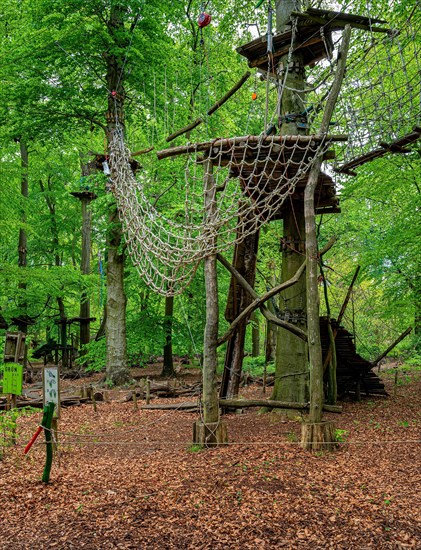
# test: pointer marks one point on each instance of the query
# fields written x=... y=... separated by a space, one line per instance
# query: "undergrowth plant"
x=8 y=423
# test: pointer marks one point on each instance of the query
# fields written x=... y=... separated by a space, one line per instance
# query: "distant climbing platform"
x=313 y=38
x=354 y=373
x=396 y=146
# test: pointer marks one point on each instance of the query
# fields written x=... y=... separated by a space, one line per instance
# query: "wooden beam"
x=142 y=152
x=185 y=129
x=395 y=343
x=214 y=108
x=259 y=301
x=271 y=404
x=339 y=23
x=237 y=141
x=230 y=93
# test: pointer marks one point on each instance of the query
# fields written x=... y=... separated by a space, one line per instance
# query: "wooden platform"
x=263 y=170
x=313 y=39
x=309 y=42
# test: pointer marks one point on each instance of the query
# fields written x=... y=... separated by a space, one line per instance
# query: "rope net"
x=381 y=94
x=253 y=178
x=250 y=180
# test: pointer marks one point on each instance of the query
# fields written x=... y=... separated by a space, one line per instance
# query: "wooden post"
x=394 y=344
x=47 y=423
x=210 y=430
x=315 y=432
x=148 y=391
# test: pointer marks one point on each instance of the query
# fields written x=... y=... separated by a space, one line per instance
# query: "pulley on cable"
x=203 y=21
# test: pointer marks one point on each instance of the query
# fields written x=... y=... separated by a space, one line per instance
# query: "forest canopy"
x=69 y=66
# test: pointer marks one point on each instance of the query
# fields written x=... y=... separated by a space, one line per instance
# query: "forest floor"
x=126 y=478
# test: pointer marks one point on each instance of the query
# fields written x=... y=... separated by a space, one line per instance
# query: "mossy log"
x=211 y=434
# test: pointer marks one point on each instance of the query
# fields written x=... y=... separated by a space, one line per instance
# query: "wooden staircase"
x=354 y=373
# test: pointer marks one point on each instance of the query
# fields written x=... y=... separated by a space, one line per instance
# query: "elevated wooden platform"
x=263 y=164
x=313 y=39
x=263 y=170
x=309 y=42
x=354 y=373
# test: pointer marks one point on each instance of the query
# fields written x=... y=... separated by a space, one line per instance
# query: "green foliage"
x=93 y=356
x=256 y=365
x=195 y=448
x=8 y=424
x=341 y=435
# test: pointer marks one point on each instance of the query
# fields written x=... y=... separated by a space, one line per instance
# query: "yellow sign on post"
x=12 y=379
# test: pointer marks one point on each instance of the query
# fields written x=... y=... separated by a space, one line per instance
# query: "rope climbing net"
x=249 y=179
x=380 y=100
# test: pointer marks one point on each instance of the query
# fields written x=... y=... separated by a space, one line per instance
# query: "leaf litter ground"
x=131 y=479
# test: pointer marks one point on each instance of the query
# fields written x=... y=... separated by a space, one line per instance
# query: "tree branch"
x=259 y=301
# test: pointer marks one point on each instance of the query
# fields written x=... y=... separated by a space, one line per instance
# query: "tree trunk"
x=255 y=335
x=23 y=239
x=85 y=308
x=168 y=368
x=210 y=430
x=210 y=358
x=117 y=368
x=316 y=432
x=291 y=378
x=313 y=299
x=245 y=255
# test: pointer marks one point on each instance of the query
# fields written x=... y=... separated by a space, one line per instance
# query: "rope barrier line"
x=185 y=444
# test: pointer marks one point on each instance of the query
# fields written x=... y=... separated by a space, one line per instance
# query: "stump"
x=318 y=436
x=211 y=434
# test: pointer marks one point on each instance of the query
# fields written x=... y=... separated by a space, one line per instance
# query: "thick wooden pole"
x=313 y=323
x=245 y=256
x=209 y=430
x=291 y=380
x=395 y=343
x=210 y=396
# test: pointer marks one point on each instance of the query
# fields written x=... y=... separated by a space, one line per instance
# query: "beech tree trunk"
x=117 y=368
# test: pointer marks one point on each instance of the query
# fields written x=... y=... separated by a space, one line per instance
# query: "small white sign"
x=51 y=387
